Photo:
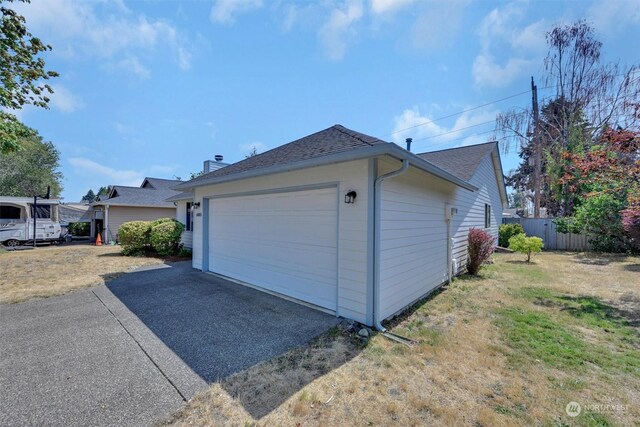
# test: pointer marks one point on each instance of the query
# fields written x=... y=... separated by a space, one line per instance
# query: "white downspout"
x=377 y=185
x=449 y=251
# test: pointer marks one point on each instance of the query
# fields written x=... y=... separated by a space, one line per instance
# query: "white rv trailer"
x=17 y=217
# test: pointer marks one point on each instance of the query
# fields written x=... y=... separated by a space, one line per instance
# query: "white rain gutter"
x=377 y=190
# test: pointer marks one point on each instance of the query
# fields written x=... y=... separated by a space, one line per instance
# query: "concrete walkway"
x=133 y=351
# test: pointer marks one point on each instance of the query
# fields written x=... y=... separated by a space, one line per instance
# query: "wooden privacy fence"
x=545 y=228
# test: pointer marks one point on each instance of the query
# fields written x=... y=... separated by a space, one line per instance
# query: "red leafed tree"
x=612 y=169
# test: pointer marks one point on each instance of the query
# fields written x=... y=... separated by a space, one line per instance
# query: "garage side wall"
x=352 y=224
x=471 y=208
x=413 y=237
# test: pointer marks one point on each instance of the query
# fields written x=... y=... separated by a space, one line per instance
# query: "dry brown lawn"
x=55 y=270
x=510 y=348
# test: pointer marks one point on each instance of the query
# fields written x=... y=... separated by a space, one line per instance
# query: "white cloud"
x=427 y=134
x=113 y=176
x=102 y=29
x=486 y=72
x=438 y=23
x=133 y=65
x=335 y=31
x=213 y=129
x=388 y=6
x=63 y=100
x=100 y=173
x=224 y=11
x=611 y=16
x=532 y=37
x=508 y=48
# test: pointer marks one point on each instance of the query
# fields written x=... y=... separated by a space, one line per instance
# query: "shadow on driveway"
x=216 y=327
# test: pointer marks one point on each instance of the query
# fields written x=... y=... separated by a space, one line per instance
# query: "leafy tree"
x=525 y=245
x=517 y=199
x=590 y=97
x=252 y=153
x=12 y=131
x=22 y=71
x=102 y=191
x=29 y=171
x=89 y=197
x=196 y=174
x=608 y=176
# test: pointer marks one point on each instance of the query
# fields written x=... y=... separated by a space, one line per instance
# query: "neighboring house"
x=184 y=203
x=511 y=213
x=345 y=221
x=145 y=203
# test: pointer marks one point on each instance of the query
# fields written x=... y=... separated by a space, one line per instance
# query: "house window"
x=487 y=216
x=189 y=225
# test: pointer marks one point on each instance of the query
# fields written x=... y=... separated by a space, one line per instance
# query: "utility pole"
x=537 y=154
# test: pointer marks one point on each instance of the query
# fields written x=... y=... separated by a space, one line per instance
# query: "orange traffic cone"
x=98 y=240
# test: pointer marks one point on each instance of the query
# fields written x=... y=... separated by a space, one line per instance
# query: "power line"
x=455 y=130
x=461 y=112
x=465 y=137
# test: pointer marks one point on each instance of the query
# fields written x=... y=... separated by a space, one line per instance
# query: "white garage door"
x=285 y=242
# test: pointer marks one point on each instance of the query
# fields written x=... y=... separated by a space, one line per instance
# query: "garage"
x=282 y=240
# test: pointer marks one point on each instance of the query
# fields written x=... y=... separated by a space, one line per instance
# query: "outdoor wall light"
x=196 y=205
x=350 y=197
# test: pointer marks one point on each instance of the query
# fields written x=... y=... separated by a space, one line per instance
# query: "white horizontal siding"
x=181 y=215
x=118 y=215
x=471 y=209
x=352 y=225
x=413 y=243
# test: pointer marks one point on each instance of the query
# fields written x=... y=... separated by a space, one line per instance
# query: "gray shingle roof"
x=136 y=196
x=333 y=140
x=185 y=195
x=461 y=162
x=161 y=184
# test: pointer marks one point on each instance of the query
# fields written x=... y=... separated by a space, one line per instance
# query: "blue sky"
x=153 y=88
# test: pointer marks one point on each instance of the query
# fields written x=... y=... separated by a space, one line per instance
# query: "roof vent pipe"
x=409 y=140
x=218 y=157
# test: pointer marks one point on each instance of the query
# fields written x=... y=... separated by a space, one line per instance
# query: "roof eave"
x=350 y=155
x=131 y=206
x=497 y=165
x=179 y=198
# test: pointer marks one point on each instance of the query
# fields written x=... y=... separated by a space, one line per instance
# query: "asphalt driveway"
x=133 y=351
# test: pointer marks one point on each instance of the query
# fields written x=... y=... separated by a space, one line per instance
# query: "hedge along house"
x=184 y=203
x=123 y=204
x=344 y=221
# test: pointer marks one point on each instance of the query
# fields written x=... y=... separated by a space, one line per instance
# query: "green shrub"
x=79 y=228
x=481 y=246
x=506 y=231
x=160 y=221
x=525 y=245
x=134 y=236
x=184 y=252
x=165 y=236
